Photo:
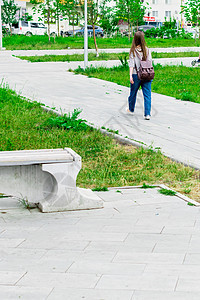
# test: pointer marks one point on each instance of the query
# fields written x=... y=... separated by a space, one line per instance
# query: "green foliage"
x=147 y=186
x=100 y=189
x=65 y=121
x=191 y=10
x=9 y=10
x=131 y=11
x=167 y=192
x=187 y=191
x=108 y=18
x=24 y=202
x=124 y=60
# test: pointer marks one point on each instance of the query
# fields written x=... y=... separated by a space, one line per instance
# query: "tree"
x=131 y=11
x=9 y=10
x=191 y=11
x=59 y=9
x=45 y=9
x=92 y=16
x=71 y=10
x=108 y=18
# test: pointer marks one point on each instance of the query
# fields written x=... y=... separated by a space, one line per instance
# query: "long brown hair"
x=139 y=40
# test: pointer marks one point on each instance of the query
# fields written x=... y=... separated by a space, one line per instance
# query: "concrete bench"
x=46 y=178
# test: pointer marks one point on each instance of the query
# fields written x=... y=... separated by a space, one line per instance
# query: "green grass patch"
x=100 y=189
x=26 y=125
x=167 y=192
x=147 y=186
x=102 y=56
x=21 y=42
x=175 y=81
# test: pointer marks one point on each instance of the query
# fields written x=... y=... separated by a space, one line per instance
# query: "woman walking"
x=138 y=52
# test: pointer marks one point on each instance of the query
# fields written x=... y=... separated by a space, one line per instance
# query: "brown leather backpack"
x=146 y=70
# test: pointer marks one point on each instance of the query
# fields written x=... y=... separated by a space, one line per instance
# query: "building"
x=161 y=10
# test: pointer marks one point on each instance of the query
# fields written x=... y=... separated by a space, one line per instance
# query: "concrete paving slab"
x=14 y=292
x=146 y=295
x=88 y=294
x=164 y=283
x=58 y=280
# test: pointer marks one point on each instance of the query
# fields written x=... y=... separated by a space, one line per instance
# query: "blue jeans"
x=146 y=90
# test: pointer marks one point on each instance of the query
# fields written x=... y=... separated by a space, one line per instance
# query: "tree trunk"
x=48 y=23
x=73 y=25
x=10 y=25
x=128 y=31
x=58 y=26
x=95 y=42
x=58 y=20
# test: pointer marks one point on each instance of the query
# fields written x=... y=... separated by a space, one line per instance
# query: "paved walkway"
x=141 y=246
x=174 y=126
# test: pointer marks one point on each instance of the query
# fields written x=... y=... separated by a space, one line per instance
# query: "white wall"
x=159 y=9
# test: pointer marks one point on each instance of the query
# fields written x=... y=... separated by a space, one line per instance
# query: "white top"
x=32 y=157
x=134 y=60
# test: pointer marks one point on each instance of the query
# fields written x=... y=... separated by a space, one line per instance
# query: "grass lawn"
x=102 y=56
x=25 y=125
x=176 y=81
x=17 y=42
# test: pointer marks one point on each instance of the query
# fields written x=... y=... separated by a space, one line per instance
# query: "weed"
x=187 y=96
x=187 y=191
x=65 y=121
x=190 y=204
x=146 y=186
x=123 y=60
x=167 y=192
x=4 y=196
x=100 y=189
x=24 y=202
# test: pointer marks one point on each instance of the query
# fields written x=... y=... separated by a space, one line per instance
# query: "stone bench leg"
x=65 y=195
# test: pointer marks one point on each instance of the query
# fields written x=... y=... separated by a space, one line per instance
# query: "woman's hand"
x=131 y=80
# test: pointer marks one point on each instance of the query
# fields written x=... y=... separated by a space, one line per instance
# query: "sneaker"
x=147 y=117
x=198 y=60
x=129 y=112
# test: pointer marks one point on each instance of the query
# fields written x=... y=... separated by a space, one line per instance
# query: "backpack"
x=146 y=70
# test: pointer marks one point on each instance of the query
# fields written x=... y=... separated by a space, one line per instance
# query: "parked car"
x=145 y=27
x=29 y=28
x=80 y=32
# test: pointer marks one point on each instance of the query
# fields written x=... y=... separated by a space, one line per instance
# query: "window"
x=154 y=13
x=24 y=24
x=154 y=1
x=34 y=25
x=168 y=14
x=167 y=1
